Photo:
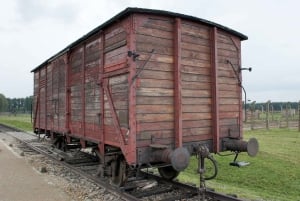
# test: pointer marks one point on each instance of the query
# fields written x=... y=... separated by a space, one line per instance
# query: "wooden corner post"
x=177 y=83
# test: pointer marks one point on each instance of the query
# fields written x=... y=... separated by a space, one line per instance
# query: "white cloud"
x=31 y=31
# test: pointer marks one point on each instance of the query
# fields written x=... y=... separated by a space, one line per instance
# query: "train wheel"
x=168 y=172
x=119 y=174
x=60 y=143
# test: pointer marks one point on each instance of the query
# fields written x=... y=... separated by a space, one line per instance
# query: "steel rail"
x=209 y=192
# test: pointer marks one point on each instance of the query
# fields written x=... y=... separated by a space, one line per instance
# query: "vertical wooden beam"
x=215 y=91
x=58 y=87
x=45 y=102
x=53 y=112
x=83 y=91
x=68 y=93
x=36 y=106
x=238 y=73
x=132 y=152
x=39 y=100
x=240 y=123
x=177 y=83
x=101 y=71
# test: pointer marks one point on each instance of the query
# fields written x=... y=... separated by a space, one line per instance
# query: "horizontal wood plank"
x=195 y=62
x=147 y=135
x=158 y=48
x=154 y=83
x=229 y=108
x=196 y=116
x=233 y=100
x=196 y=131
x=158 y=109
x=196 y=93
x=196 y=47
x=197 y=123
x=196 y=30
x=195 y=55
x=155 y=126
x=196 y=100
x=160 y=24
x=154 y=92
x=156 y=58
x=196 y=85
x=158 y=75
x=156 y=66
x=196 y=108
x=195 y=70
x=154 y=32
x=147 y=100
x=196 y=78
x=154 y=117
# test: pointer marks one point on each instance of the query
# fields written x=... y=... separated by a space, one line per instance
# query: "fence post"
x=287 y=113
x=252 y=109
x=299 y=116
x=245 y=111
x=267 y=114
x=272 y=112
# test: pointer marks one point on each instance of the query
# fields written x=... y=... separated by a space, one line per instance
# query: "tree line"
x=276 y=106
x=15 y=105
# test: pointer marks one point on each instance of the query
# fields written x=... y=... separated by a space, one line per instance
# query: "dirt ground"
x=20 y=182
x=21 y=178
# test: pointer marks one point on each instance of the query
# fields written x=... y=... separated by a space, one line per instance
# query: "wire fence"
x=267 y=117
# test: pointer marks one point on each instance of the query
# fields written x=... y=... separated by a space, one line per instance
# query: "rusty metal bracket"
x=134 y=55
x=239 y=83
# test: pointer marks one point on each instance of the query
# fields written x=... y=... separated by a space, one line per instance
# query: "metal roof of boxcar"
x=131 y=10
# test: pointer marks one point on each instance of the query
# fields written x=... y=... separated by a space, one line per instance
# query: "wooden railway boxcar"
x=144 y=80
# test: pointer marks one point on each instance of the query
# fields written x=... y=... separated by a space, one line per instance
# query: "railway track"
x=143 y=186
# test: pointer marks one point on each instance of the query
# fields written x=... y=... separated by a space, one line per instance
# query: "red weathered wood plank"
x=154 y=83
x=196 y=108
x=155 y=126
x=154 y=32
x=154 y=109
x=196 y=116
x=197 y=123
x=196 y=100
x=161 y=92
x=147 y=100
x=144 y=117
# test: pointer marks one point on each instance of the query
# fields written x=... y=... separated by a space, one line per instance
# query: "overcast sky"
x=31 y=31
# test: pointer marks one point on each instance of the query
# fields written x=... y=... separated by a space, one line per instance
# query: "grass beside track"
x=273 y=175
x=21 y=121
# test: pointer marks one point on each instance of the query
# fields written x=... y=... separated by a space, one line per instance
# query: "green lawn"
x=21 y=121
x=274 y=174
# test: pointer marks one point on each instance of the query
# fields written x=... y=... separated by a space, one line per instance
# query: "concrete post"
x=252 y=109
x=299 y=116
x=267 y=114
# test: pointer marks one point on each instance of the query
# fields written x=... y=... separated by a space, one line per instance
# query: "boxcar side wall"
x=84 y=93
